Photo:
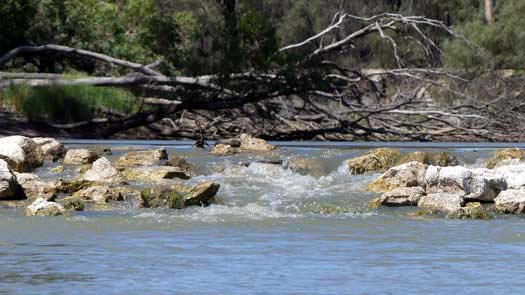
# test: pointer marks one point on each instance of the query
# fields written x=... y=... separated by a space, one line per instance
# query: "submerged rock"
x=42 y=207
x=375 y=160
x=102 y=171
x=9 y=187
x=506 y=157
x=305 y=166
x=446 y=202
x=52 y=149
x=21 y=153
x=430 y=158
x=155 y=173
x=473 y=210
x=250 y=143
x=511 y=201
x=402 y=196
x=80 y=157
x=142 y=158
x=406 y=175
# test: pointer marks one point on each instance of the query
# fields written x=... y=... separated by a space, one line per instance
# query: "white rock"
x=102 y=171
x=511 y=201
x=21 y=153
x=402 y=196
x=448 y=202
x=34 y=187
x=485 y=185
x=406 y=175
x=51 y=148
x=250 y=143
x=80 y=157
x=42 y=207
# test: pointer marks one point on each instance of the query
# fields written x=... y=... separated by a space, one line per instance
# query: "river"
x=274 y=232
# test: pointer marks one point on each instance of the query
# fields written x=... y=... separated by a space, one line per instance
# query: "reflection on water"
x=275 y=231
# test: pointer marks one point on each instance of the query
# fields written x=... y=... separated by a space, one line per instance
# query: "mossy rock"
x=506 y=155
x=373 y=161
x=472 y=210
x=430 y=158
x=161 y=198
x=73 y=204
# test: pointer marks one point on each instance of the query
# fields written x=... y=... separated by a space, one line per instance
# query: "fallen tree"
x=314 y=97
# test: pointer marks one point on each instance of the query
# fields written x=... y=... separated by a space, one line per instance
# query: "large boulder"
x=511 y=201
x=445 y=202
x=42 y=207
x=375 y=160
x=21 y=153
x=155 y=173
x=102 y=171
x=402 y=196
x=406 y=175
x=506 y=157
x=80 y=157
x=34 y=187
x=142 y=158
x=99 y=194
x=430 y=158
x=202 y=194
x=250 y=143
x=9 y=187
x=52 y=149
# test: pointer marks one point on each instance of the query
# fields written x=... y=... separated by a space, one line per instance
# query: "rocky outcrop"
x=52 y=149
x=9 y=187
x=250 y=143
x=99 y=194
x=142 y=158
x=373 y=161
x=42 y=207
x=506 y=157
x=21 y=153
x=429 y=158
x=155 y=173
x=80 y=157
x=102 y=171
x=406 y=175
x=511 y=201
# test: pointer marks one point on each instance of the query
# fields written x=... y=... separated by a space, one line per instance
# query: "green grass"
x=68 y=103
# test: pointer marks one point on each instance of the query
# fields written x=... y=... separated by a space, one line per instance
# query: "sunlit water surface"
x=274 y=232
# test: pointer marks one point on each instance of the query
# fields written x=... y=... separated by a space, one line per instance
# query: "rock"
x=99 y=194
x=250 y=143
x=9 y=187
x=142 y=158
x=72 y=204
x=71 y=186
x=505 y=157
x=34 y=187
x=222 y=149
x=511 y=201
x=514 y=175
x=447 y=202
x=406 y=175
x=159 y=197
x=304 y=166
x=21 y=153
x=375 y=160
x=42 y=207
x=102 y=171
x=473 y=210
x=430 y=158
x=176 y=161
x=154 y=173
x=485 y=185
x=202 y=194
x=402 y=196
x=80 y=157
x=233 y=142
x=52 y=149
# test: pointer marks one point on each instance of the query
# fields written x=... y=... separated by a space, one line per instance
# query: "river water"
x=275 y=231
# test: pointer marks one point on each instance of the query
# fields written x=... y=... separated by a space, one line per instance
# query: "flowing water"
x=274 y=231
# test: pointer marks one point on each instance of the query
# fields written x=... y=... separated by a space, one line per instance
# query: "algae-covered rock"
x=99 y=194
x=102 y=171
x=406 y=175
x=506 y=157
x=250 y=143
x=375 y=160
x=402 y=196
x=161 y=198
x=202 y=194
x=142 y=158
x=511 y=201
x=9 y=187
x=446 y=202
x=223 y=149
x=473 y=210
x=155 y=173
x=42 y=207
x=57 y=169
x=72 y=204
x=52 y=148
x=21 y=153
x=430 y=158
x=80 y=157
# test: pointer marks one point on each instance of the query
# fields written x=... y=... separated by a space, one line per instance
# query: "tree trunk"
x=489 y=11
